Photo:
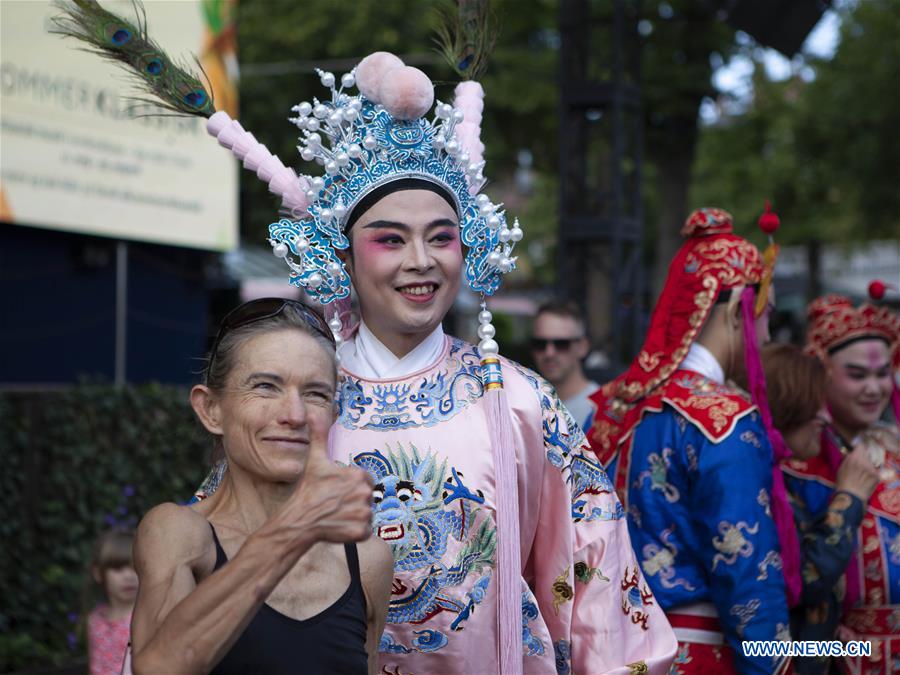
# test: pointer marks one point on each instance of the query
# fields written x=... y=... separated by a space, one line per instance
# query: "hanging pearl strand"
x=488 y=345
x=335 y=324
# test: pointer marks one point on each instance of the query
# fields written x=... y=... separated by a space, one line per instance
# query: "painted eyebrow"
x=866 y=369
x=383 y=224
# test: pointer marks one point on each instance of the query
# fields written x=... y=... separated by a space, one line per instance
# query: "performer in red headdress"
x=851 y=566
x=691 y=458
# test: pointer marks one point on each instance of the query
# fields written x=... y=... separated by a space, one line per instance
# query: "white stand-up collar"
x=364 y=355
x=700 y=360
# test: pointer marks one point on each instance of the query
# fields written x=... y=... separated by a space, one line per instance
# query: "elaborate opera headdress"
x=363 y=142
x=712 y=260
x=833 y=322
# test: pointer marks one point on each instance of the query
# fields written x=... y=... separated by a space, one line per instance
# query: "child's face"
x=121 y=584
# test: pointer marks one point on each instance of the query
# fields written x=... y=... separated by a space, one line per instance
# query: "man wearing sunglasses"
x=558 y=346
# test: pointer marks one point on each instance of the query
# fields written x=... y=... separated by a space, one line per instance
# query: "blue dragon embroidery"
x=589 y=478
x=420 y=504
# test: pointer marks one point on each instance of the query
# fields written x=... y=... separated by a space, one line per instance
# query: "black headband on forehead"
x=858 y=338
x=383 y=191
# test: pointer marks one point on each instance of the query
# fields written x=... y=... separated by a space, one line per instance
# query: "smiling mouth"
x=391 y=532
x=419 y=289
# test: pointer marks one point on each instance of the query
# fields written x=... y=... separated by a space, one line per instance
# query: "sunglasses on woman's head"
x=559 y=344
x=266 y=308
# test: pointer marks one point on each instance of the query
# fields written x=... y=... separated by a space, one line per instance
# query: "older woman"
x=266 y=575
x=855 y=344
x=796 y=384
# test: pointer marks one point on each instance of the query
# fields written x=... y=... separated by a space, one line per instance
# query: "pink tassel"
x=508 y=570
x=782 y=513
x=281 y=180
x=895 y=403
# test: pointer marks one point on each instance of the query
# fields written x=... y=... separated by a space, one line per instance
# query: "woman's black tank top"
x=333 y=641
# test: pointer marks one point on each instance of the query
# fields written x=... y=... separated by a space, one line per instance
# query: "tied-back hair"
x=223 y=360
x=795 y=384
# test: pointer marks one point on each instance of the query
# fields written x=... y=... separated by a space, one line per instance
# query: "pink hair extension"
x=782 y=513
x=469 y=98
x=508 y=571
x=895 y=402
x=256 y=157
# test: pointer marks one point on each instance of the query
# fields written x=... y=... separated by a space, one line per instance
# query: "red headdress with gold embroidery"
x=711 y=260
x=833 y=321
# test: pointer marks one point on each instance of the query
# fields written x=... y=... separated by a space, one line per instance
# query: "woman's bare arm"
x=182 y=627
x=376 y=563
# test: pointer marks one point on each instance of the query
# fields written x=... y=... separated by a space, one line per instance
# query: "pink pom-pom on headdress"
x=469 y=98
x=406 y=93
x=256 y=157
x=371 y=71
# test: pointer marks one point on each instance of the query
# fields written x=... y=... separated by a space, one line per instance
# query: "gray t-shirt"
x=579 y=405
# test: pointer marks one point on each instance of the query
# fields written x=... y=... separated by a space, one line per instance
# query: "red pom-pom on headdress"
x=768 y=221
x=877 y=289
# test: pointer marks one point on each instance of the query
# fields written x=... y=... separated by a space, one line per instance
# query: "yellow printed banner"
x=74 y=158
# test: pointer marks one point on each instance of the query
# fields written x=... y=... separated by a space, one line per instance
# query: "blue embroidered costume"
x=692 y=464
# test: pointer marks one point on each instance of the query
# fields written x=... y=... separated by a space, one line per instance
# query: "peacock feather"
x=172 y=86
x=466 y=36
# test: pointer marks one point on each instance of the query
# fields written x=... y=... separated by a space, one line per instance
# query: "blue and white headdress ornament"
x=367 y=141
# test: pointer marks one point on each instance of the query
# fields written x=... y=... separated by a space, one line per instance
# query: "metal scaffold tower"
x=600 y=156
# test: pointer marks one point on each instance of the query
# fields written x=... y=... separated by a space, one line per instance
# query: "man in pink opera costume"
x=511 y=550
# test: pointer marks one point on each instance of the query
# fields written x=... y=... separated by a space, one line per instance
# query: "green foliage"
x=75 y=463
x=677 y=68
x=822 y=151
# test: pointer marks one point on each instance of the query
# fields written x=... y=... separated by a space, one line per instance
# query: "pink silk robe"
x=423 y=438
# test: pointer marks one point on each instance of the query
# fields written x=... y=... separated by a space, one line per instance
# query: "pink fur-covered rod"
x=256 y=157
x=469 y=98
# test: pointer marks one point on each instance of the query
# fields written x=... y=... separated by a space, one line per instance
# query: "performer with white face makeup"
x=856 y=345
x=511 y=552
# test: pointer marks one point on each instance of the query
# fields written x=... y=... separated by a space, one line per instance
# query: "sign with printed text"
x=73 y=155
